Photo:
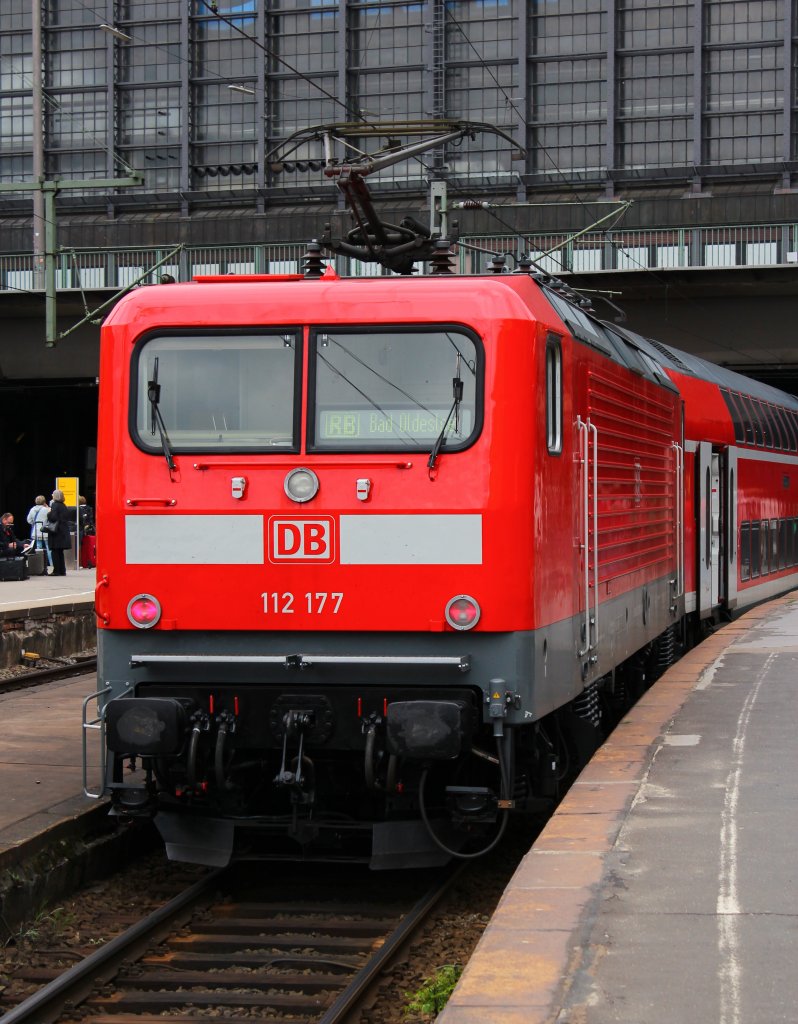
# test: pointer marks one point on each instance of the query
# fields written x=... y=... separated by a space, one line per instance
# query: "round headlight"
x=301 y=485
x=144 y=610
x=462 y=612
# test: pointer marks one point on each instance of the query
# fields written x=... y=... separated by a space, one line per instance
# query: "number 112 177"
x=313 y=603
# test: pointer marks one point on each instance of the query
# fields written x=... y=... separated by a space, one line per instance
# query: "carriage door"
x=729 y=511
x=708 y=491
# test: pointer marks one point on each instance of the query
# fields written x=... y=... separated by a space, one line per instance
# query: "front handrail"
x=96 y=724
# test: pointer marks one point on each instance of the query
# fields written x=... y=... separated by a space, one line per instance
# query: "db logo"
x=304 y=540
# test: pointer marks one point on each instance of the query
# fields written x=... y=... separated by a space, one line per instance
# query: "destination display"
x=395 y=424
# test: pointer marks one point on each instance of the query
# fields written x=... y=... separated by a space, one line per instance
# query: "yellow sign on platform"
x=69 y=485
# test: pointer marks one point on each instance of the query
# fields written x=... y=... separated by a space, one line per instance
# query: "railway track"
x=33 y=677
x=255 y=951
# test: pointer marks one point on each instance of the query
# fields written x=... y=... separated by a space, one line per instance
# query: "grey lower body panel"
x=543 y=667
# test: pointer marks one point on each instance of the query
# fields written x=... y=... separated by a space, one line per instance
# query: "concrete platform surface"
x=36 y=592
x=666 y=886
x=41 y=776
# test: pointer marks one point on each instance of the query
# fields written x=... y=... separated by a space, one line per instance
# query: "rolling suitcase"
x=13 y=569
x=88 y=552
x=36 y=563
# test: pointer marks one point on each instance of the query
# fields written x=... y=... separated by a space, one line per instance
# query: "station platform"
x=56 y=592
x=41 y=741
x=665 y=888
x=48 y=828
x=41 y=760
x=48 y=616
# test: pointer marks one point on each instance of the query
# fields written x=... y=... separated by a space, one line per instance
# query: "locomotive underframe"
x=319 y=700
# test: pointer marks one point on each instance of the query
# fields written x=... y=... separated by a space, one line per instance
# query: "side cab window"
x=553 y=393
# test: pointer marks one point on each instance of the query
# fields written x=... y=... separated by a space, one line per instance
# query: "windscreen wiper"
x=156 y=419
x=457 y=392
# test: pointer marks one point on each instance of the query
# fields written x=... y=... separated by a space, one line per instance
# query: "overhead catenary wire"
x=610 y=240
x=212 y=8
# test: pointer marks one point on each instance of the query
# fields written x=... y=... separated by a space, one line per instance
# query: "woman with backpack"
x=37 y=517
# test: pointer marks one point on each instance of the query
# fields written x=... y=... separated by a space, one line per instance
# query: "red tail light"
x=462 y=612
x=144 y=611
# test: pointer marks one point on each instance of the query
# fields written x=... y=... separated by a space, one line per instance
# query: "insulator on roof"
x=440 y=261
x=314 y=264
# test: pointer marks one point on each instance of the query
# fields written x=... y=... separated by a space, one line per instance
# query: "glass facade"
x=199 y=97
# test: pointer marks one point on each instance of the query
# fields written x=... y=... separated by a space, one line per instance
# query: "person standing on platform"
x=86 y=516
x=60 y=538
x=87 y=547
x=39 y=538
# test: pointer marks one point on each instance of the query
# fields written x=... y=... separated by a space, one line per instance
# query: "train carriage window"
x=792 y=416
x=794 y=542
x=745 y=551
x=737 y=416
x=756 y=549
x=783 y=543
x=787 y=438
x=553 y=394
x=220 y=392
x=774 y=545
x=775 y=426
x=778 y=420
x=708 y=524
x=779 y=434
x=761 y=411
x=764 y=547
x=393 y=389
x=753 y=428
x=788 y=428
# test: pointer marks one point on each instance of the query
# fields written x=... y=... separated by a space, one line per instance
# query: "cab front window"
x=394 y=389
x=218 y=392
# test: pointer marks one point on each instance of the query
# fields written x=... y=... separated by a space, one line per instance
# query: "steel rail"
x=357 y=987
x=47 y=1004
x=79 y=982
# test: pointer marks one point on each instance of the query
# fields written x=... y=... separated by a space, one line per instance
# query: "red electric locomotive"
x=373 y=552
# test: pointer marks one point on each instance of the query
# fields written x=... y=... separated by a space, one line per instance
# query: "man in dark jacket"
x=10 y=545
x=60 y=539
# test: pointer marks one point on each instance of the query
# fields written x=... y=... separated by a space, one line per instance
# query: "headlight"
x=301 y=485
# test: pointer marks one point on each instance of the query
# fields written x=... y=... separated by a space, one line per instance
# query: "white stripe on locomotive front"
x=411 y=540
x=364 y=539
x=194 y=540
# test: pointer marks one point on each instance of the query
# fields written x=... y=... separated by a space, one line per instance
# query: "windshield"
x=378 y=390
x=219 y=392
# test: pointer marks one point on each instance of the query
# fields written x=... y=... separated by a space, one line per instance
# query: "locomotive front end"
x=311 y=626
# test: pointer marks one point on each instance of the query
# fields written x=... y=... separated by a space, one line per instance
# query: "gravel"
x=59 y=936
